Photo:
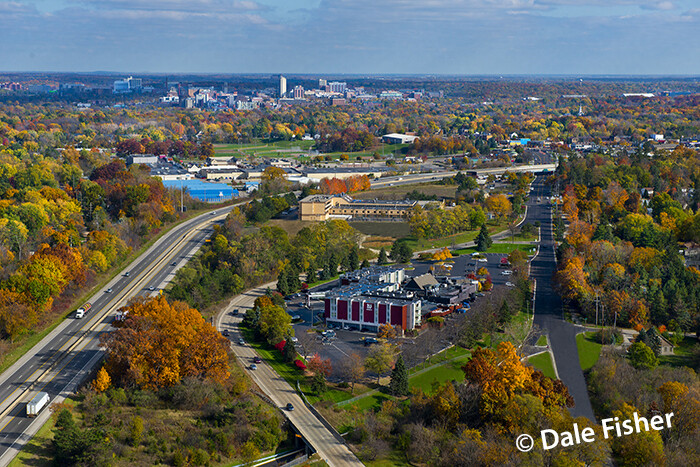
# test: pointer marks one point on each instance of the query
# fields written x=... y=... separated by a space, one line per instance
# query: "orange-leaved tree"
x=161 y=343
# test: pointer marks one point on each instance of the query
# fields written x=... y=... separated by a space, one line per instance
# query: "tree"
x=274 y=324
x=352 y=370
x=399 y=378
x=160 y=343
x=401 y=252
x=318 y=383
x=379 y=359
x=386 y=331
x=382 y=259
x=365 y=264
x=483 y=240
x=353 y=259
x=102 y=380
x=642 y=357
x=289 y=352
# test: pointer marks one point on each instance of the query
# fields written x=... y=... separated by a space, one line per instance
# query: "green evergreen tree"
x=318 y=383
x=399 y=378
x=293 y=280
x=401 y=252
x=365 y=264
x=282 y=284
x=353 y=259
x=483 y=240
x=311 y=272
x=642 y=357
x=382 y=260
x=289 y=352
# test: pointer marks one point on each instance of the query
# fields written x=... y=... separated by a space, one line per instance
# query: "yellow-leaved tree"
x=160 y=343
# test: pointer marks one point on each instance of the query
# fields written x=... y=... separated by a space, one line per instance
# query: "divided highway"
x=59 y=362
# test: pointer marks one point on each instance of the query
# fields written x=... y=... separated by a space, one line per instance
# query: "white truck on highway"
x=35 y=405
x=82 y=311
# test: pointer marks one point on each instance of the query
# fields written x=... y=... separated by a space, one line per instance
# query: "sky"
x=463 y=37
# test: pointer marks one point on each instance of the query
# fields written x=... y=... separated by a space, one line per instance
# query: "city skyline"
x=461 y=37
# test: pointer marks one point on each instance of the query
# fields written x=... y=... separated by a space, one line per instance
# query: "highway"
x=61 y=361
x=334 y=452
x=434 y=176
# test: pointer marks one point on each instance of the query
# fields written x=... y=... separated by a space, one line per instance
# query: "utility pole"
x=596 y=308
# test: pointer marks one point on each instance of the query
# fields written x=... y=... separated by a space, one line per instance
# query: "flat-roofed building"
x=398 y=138
x=323 y=207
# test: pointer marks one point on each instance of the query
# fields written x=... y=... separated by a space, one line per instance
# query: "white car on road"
x=506 y=273
x=510 y=284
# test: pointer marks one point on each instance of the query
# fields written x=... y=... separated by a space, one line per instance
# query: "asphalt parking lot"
x=345 y=343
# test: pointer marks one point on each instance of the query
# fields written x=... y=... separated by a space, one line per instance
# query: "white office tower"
x=283 y=86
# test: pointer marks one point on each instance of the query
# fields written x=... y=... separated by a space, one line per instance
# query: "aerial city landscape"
x=478 y=252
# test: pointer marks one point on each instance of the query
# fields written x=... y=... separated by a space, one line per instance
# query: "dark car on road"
x=290 y=407
x=226 y=333
x=257 y=360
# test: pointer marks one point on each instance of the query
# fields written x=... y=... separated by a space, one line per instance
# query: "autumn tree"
x=379 y=359
x=160 y=343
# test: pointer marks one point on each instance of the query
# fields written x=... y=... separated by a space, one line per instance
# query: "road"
x=429 y=177
x=61 y=361
x=334 y=452
x=548 y=307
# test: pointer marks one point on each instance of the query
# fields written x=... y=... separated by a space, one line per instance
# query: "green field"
x=543 y=362
x=295 y=148
x=383 y=229
x=682 y=353
x=588 y=350
x=448 y=371
x=542 y=340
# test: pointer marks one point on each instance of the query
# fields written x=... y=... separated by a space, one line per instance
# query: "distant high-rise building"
x=337 y=86
x=129 y=84
x=322 y=83
x=283 y=86
x=298 y=92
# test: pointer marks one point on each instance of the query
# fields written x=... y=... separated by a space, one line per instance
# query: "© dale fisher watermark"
x=611 y=427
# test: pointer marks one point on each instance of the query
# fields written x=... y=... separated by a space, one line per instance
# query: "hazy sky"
x=353 y=36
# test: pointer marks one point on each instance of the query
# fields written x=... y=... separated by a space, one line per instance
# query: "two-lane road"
x=548 y=308
x=334 y=452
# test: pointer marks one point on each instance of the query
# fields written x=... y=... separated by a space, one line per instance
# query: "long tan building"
x=323 y=207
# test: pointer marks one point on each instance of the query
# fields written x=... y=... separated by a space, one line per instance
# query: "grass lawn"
x=542 y=340
x=395 y=459
x=588 y=350
x=683 y=353
x=382 y=229
x=451 y=370
x=543 y=362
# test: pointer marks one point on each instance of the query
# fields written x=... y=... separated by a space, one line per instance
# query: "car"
x=127 y=274
x=481 y=294
x=510 y=284
x=539 y=199
x=296 y=317
x=174 y=263
x=257 y=360
x=241 y=341
x=476 y=253
x=290 y=407
x=346 y=327
x=108 y=291
x=370 y=341
x=234 y=312
x=253 y=366
x=294 y=339
x=213 y=213
x=226 y=333
x=506 y=273
x=483 y=260
x=151 y=288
